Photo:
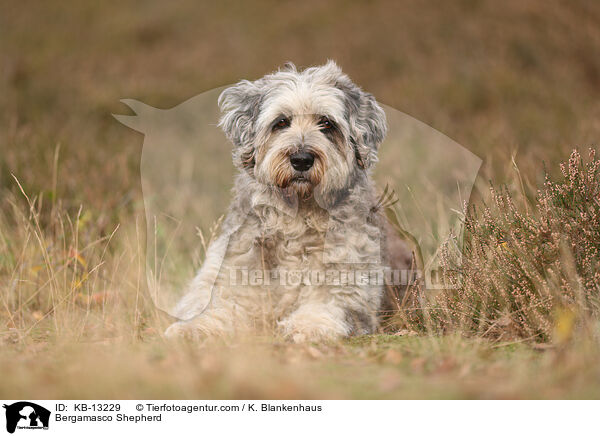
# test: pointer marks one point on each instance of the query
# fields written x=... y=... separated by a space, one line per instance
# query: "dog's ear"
x=367 y=123
x=240 y=106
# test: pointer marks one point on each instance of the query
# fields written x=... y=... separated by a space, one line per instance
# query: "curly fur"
x=325 y=220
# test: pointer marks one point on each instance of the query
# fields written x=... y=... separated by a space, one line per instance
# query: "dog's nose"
x=302 y=161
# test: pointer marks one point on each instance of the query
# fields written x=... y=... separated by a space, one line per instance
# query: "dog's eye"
x=281 y=123
x=325 y=123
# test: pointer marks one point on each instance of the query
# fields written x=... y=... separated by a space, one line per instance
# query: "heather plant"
x=529 y=274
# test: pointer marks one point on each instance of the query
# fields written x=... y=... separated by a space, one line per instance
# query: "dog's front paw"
x=315 y=333
x=314 y=325
x=184 y=330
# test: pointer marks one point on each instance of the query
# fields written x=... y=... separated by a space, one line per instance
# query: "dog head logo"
x=26 y=415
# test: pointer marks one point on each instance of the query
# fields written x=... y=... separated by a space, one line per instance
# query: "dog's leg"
x=315 y=322
x=206 y=309
x=331 y=318
x=221 y=321
x=201 y=289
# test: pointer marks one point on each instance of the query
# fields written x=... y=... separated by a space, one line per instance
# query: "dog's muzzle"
x=302 y=160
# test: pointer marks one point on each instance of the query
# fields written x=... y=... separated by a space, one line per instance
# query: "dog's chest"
x=292 y=242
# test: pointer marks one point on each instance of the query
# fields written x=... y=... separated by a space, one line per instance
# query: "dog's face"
x=304 y=133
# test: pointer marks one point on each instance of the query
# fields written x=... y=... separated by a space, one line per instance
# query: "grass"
x=377 y=367
x=517 y=86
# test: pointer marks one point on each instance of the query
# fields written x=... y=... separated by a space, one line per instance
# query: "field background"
x=517 y=84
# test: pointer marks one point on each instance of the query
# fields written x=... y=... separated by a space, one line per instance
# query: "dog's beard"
x=299 y=186
x=292 y=183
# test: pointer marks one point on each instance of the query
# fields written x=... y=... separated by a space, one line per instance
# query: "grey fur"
x=325 y=221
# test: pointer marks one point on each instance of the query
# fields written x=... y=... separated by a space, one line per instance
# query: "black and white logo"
x=26 y=415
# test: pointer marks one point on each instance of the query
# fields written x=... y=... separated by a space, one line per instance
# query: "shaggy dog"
x=302 y=248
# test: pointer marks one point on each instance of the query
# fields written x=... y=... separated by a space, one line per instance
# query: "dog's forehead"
x=302 y=96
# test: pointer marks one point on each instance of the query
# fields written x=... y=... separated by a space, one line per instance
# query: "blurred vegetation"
x=523 y=78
